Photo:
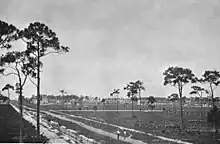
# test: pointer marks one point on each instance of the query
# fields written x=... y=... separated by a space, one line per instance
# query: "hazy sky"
x=113 y=42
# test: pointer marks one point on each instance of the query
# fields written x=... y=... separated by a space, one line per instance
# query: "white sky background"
x=115 y=41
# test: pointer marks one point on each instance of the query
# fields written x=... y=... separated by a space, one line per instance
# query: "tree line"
x=178 y=77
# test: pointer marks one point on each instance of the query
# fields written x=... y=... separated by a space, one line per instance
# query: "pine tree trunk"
x=21 y=114
x=140 y=98
x=132 y=108
x=213 y=105
x=38 y=95
x=8 y=94
x=181 y=109
x=117 y=103
x=103 y=106
x=212 y=96
x=201 y=110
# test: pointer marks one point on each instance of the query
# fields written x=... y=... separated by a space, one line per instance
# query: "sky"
x=113 y=42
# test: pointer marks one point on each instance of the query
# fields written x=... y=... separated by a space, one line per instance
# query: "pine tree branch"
x=24 y=80
x=52 y=52
x=23 y=40
x=12 y=73
x=3 y=41
x=32 y=82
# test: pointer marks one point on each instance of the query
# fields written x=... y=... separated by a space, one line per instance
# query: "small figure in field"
x=125 y=134
x=118 y=133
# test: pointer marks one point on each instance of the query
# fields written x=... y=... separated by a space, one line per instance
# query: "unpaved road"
x=99 y=131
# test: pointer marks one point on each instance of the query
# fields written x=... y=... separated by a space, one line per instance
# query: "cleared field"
x=80 y=130
x=160 y=123
x=154 y=123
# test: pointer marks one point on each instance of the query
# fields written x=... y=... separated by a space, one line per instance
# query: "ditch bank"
x=52 y=136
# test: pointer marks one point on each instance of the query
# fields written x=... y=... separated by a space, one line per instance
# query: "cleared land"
x=160 y=123
x=157 y=123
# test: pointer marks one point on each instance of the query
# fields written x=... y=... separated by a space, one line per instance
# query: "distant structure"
x=44 y=99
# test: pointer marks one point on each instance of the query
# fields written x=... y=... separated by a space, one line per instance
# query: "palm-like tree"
x=173 y=98
x=95 y=108
x=8 y=87
x=115 y=92
x=126 y=105
x=198 y=91
x=63 y=92
x=151 y=102
x=140 y=86
x=96 y=99
x=131 y=92
x=103 y=102
x=87 y=98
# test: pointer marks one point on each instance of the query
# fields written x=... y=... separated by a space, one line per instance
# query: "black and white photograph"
x=110 y=71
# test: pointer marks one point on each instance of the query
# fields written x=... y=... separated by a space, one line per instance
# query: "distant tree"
x=20 y=65
x=212 y=78
x=8 y=34
x=103 y=102
x=140 y=86
x=81 y=98
x=8 y=87
x=95 y=108
x=151 y=102
x=96 y=99
x=87 y=98
x=115 y=93
x=173 y=98
x=126 y=105
x=79 y=108
x=63 y=92
x=178 y=77
x=132 y=92
x=41 y=41
x=197 y=90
